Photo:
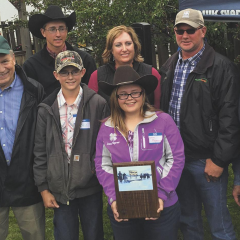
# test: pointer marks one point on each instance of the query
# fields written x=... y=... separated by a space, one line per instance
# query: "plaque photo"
x=136 y=189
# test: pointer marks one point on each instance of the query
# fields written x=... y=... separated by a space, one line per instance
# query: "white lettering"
x=214 y=12
x=223 y=12
x=112 y=143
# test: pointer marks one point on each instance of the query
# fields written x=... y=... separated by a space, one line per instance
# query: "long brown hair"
x=113 y=34
x=117 y=114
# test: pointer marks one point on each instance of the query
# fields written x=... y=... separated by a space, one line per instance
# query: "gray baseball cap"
x=189 y=16
x=4 y=46
x=68 y=58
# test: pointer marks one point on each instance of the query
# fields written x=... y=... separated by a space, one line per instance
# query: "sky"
x=7 y=10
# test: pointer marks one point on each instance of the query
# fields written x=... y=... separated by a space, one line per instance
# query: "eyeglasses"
x=188 y=31
x=53 y=30
x=66 y=73
x=125 y=96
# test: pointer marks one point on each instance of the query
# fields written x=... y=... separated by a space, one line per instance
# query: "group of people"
x=63 y=123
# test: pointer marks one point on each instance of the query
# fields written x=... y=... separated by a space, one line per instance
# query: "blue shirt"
x=182 y=70
x=10 y=101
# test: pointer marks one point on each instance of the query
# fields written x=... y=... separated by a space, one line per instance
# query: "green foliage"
x=14 y=232
x=96 y=17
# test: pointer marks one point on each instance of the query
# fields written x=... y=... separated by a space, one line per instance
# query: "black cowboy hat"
x=127 y=75
x=53 y=13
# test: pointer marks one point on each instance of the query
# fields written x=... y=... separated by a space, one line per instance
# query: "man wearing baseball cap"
x=19 y=98
x=53 y=26
x=200 y=90
x=66 y=132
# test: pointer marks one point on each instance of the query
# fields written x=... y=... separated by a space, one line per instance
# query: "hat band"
x=124 y=82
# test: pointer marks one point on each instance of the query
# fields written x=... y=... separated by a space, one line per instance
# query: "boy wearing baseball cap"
x=67 y=126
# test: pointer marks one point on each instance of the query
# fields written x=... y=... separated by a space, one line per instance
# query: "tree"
x=96 y=17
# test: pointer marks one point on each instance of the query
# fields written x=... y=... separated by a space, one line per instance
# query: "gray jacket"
x=51 y=169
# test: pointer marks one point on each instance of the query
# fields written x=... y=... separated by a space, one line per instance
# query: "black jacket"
x=209 y=122
x=17 y=188
x=41 y=65
x=51 y=169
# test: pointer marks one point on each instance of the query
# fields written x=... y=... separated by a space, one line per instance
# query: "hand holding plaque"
x=136 y=190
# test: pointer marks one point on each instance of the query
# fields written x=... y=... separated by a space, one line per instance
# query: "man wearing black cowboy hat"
x=53 y=26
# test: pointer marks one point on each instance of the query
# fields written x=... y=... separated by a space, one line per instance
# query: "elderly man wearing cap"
x=66 y=132
x=19 y=97
x=200 y=90
x=53 y=26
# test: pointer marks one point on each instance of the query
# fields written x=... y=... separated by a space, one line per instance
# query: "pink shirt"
x=93 y=84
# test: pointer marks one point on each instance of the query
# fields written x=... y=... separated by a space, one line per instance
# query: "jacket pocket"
x=55 y=175
x=81 y=171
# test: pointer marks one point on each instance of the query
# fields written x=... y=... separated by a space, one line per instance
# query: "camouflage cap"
x=68 y=58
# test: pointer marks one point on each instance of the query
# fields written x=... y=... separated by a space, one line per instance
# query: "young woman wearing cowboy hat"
x=132 y=121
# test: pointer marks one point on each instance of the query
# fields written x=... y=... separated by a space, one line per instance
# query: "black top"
x=41 y=65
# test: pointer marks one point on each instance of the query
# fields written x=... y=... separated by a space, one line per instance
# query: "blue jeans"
x=193 y=191
x=66 y=220
x=164 y=228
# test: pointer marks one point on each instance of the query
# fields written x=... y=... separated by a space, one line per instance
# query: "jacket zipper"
x=69 y=165
x=126 y=142
x=60 y=137
x=210 y=125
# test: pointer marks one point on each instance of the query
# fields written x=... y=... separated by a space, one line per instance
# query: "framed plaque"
x=136 y=189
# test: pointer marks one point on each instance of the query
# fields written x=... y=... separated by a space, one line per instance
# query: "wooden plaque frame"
x=136 y=203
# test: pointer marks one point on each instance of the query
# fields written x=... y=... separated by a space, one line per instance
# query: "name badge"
x=85 y=124
x=74 y=118
x=155 y=138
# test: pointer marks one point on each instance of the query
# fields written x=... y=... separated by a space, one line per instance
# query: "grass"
x=14 y=232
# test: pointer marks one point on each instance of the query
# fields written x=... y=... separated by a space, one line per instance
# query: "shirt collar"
x=62 y=100
x=12 y=84
x=53 y=54
x=194 y=59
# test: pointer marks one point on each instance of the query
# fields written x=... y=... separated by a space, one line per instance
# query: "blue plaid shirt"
x=10 y=102
x=182 y=70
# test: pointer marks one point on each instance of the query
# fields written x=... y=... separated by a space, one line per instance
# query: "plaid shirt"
x=68 y=115
x=53 y=54
x=182 y=70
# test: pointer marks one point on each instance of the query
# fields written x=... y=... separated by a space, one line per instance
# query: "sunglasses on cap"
x=188 y=31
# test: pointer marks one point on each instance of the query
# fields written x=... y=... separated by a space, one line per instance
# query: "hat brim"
x=69 y=64
x=190 y=23
x=147 y=82
x=4 y=51
x=37 y=21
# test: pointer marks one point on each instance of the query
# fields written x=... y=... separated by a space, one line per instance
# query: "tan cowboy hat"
x=53 y=13
x=125 y=75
